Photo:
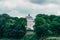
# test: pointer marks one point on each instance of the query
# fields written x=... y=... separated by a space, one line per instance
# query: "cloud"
x=45 y=1
x=37 y=1
x=23 y=7
x=15 y=13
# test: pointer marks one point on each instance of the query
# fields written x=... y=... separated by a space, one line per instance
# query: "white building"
x=30 y=22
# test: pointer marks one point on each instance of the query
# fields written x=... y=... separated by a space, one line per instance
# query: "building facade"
x=30 y=22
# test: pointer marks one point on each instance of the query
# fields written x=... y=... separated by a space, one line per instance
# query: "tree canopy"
x=12 y=27
x=47 y=25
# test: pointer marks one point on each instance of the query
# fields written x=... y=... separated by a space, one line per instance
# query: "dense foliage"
x=12 y=27
x=47 y=25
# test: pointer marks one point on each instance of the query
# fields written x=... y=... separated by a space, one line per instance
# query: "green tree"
x=45 y=24
x=12 y=27
x=55 y=27
x=41 y=26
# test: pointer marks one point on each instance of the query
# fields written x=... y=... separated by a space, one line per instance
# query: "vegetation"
x=47 y=25
x=12 y=27
x=53 y=38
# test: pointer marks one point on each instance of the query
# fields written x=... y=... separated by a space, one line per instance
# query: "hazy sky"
x=24 y=7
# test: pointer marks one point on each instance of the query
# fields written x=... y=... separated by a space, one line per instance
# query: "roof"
x=28 y=16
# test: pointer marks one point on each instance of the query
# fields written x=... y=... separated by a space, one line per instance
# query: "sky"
x=21 y=8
